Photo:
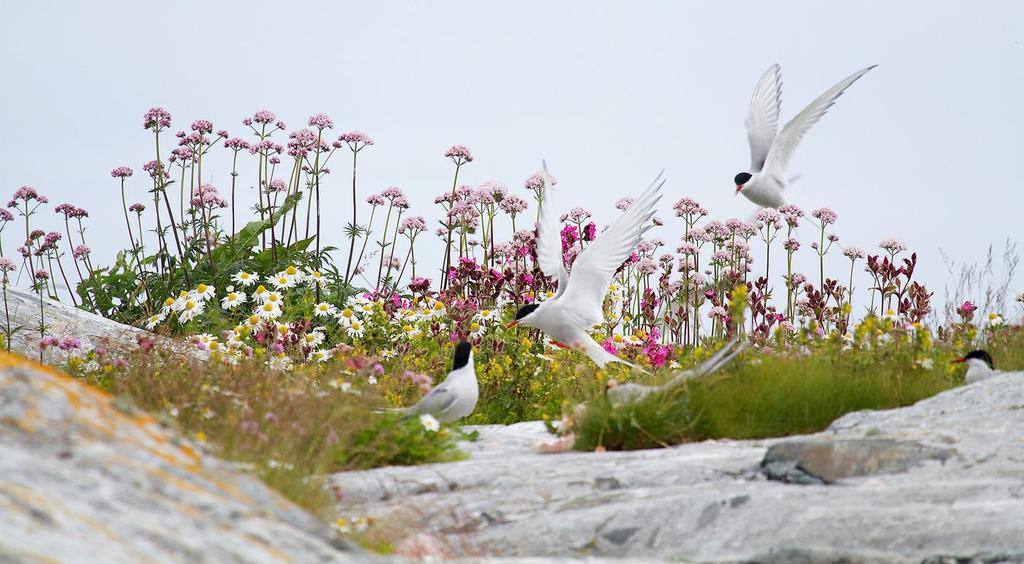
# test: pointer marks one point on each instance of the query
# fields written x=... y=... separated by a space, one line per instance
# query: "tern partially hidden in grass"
x=578 y=305
x=456 y=397
x=623 y=393
x=979 y=366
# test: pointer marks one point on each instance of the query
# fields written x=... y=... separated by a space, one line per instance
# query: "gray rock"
x=939 y=481
x=82 y=481
x=823 y=461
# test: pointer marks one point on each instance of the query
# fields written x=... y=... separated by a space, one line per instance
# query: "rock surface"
x=81 y=481
x=937 y=481
x=62 y=319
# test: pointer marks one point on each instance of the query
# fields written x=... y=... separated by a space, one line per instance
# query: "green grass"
x=777 y=394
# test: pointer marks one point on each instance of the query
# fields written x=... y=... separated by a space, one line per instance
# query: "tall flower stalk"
x=459 y=155
x=356 y=141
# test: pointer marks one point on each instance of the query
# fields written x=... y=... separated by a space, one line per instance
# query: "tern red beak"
x=958 y=360
x=512 y=324
x=738 y=188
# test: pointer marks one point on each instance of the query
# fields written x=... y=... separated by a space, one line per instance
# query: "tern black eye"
x=742 y=178
x=983 y=356
x=525 y=310
x=462 y=352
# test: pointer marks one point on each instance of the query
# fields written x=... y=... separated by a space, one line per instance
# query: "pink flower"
x=392 y=192
x=459 y=154
x=156 y=119
x=41 y=275
x=792 y=245
x=536 y=181
x=263 y=117
x=202 y=126
x=236 y=143
x=355 y=139
x=413 y=225
x=7 y=265
x=770 y=217
x=6 y=216
x=623 y=203
x=26 y=194
x=792 y=214
x=827 y=216
x=321 y=121
x=80 y=252
x=277 y=185
x=854 y=253
x=893 y=246
x=375 y=200
x=512 y=204
x=689 y=207
x=154 y=169
x=122 y=172
x=137 y=208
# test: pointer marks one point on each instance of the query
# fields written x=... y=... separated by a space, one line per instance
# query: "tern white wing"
x=763 y=117
x=777 y=162
x=594 y=268
x=549 y=240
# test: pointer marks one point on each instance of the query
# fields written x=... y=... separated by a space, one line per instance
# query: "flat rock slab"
x=937 y=481
x=81 y=481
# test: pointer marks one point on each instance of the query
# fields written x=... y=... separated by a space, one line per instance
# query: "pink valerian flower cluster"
x=689 y=207
x=156 y=118
x=827 y=216
x=70 y=211
x=5 y=216
x=536 y=181
x=375 y=200
x=355 y=139
x=769 y=217
x=413 y=225
x=262 y=117
x=7 y=265
x=265 y=147
x=321 y=121
x=623 y=203
x=42 y=275
x=277 y=185
x=65 y=344
x=893 y=247
x=512 y=204
x=137 y=208
x=154 y=168
x=854 y=253
x=206 y=195
x=393 y=193
x=421 y=380
x=202 y=126
x=81 y=252
x=236 y=144
x=792 y=215
x=26 y=194
x=459 y=154
x=122 y=172
x=576 y=215
x=49 y=242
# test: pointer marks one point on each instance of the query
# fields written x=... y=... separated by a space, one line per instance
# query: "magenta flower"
x=81 y=252
x=7 y=265
x=137 y=208
x=263 y=117
x=202 y=126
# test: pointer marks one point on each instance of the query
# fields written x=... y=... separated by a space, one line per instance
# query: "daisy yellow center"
x=201 y=288
x=474 y=326
x=322 y=307
x=486 y=313
x=346 y=312
x=245 y=276
x=190 y=305
x=282 y=280
x=232 y=297
x=292 y=271
x=992 y=316
x=261 y=289
x=253 y=319
x=315 y=274
x=268 y=307
x=356 y=325
x=214 y=345
x=617 y=338
x=272 y=298
x=407 y=328
x=169 y=302
x=439 y=306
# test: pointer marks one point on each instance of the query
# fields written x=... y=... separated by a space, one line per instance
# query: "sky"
x=924 y=148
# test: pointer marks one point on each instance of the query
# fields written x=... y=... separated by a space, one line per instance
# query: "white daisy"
x=189 y=310
x=155 y=320
x=169 y=304
x=347 y=316
x=314 y=277
x=244 y=278
x=281 y=281
x=356 y=329
x=260 y=293
x=253 y=320
x=205 y=338
x=430 y=423
x=268 y=312
x=283 y=330
x=476 y=330
x=313 y=339
x=233 y=300
x=438 y=310
x=273 y=298
x=366 y=309
x=485 y=316
x=320 y=355
x=409 y=331
x=294 y=273
x=204 y=292
x=388 y=353
x=324 y=309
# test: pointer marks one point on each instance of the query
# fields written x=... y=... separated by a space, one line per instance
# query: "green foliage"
x=394 y=440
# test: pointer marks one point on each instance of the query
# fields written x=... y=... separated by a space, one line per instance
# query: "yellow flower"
x=291 y=270
x=201 y=437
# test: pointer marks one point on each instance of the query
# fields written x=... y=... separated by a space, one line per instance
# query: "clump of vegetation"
x=292 y=428
x=777 y=393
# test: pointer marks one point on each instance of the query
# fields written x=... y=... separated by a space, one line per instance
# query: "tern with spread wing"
x=456 y=397
x=578 y=304
x=766 y=182
x=623 y=393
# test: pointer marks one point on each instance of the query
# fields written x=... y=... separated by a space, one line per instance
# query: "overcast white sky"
x=924 y=148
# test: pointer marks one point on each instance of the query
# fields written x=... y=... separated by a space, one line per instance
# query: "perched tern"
x=628 y=392
x=578 y=305
x=456 y=397
x=766 y=182
x=979 y=366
